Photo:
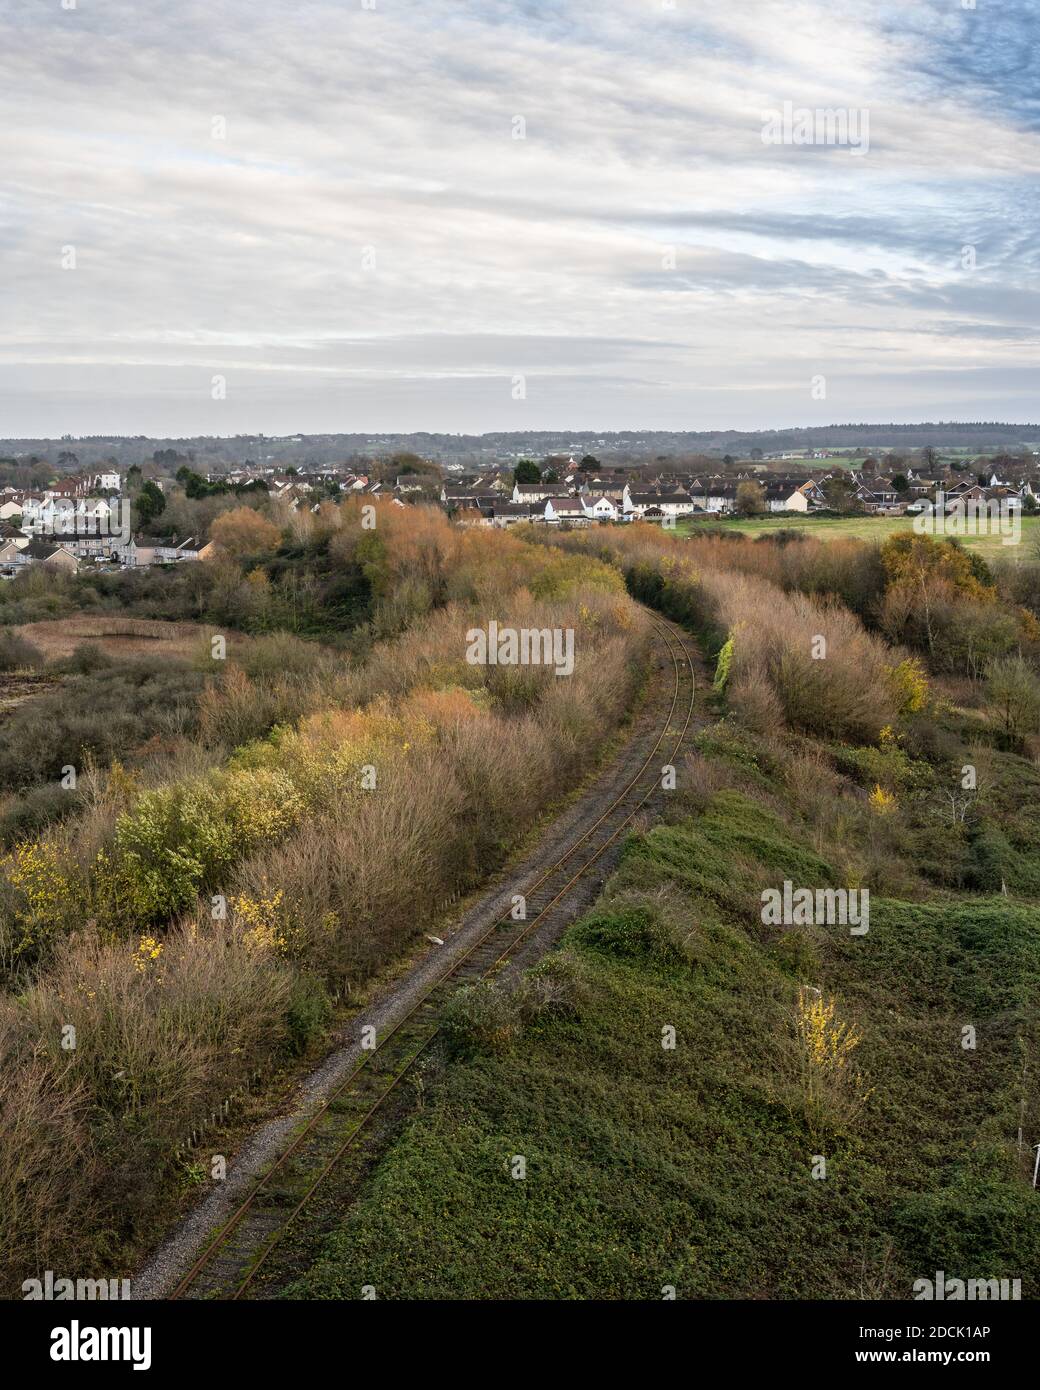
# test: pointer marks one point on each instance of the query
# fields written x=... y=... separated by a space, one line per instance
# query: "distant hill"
x=985 y=436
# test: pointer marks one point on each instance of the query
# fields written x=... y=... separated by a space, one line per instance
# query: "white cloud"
x=354 y=134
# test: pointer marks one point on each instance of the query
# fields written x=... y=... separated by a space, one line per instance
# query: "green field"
x=868 y=528
x=692 y=1168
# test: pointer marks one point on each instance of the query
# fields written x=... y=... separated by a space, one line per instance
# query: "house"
x=669 y=504
x=10 y=556
x=68 y=491
x=454 y=497
x=715 y=497
x=472 y=516
x=539 y=492
x=173 y=552
x=601 y=508
x=878 y=495
x=570 y=509
x=54 y=557
x=610 y=485
x=511 y=513
x=93 y=546
x=142 y=552
x=11 y=535
x=782 y=497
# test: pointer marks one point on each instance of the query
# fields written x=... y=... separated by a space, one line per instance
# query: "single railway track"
x=240 y=1249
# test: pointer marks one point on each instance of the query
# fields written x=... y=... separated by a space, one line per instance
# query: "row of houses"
x=67 y=552
x=619 y=497
x=585 y=510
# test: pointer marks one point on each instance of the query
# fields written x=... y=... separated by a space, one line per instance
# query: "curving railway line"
x=235 y=1254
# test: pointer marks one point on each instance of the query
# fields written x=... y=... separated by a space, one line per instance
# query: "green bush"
x=308 y=1012
x=481 y=1015
x=87 y=658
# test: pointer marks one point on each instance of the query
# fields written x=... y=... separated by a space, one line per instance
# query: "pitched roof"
x=43 y=550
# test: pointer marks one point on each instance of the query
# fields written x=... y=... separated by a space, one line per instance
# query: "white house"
x=600 y=508
x=539 y=492
x=782 y=498
x=667 y=503
x=570 y=509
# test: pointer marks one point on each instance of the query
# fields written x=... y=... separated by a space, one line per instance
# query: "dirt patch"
x=16 y=688
x=118 y=636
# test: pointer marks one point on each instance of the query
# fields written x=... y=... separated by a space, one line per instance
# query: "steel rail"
x=227 y=1229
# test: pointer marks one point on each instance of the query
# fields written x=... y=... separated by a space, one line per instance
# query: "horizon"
x=952 y=426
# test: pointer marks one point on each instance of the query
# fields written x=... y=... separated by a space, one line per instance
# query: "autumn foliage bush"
x=192 y=930
x=787 y=657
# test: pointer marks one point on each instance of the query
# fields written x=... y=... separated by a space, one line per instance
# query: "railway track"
x=238 y=1252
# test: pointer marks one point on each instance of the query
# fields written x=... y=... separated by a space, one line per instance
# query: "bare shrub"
x=47 y=1161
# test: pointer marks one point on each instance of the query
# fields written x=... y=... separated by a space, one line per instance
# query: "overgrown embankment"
x=698 y=1165
x=182 y=932
x=836 y=1113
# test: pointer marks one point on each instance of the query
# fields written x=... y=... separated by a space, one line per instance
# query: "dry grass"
x=119 y=636
x=87 y=1131
x=168 y=1026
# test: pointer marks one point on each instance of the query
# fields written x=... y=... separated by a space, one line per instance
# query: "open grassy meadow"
x=869 y=528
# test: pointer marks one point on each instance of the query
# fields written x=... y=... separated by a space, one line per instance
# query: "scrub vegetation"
x=840 y=1114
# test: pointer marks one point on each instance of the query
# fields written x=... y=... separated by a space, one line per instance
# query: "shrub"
x=24 y=817
x=308 y=1012
x=87 y=658
x=833 y=1090
x=107 y=713
x=178 y=840
x=481 y=1015
x=1014 y=691
x=84 y=1147
x=17 y=653
x=244 y=532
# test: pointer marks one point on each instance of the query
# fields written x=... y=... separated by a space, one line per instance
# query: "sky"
x=466 y=215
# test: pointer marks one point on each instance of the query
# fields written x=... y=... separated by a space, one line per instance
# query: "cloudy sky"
x=328 y=206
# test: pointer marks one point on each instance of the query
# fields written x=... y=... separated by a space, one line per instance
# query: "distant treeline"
x=209 y=454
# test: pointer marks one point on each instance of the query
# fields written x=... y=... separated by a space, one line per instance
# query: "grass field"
x=868 y=528
x=692 y=1168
